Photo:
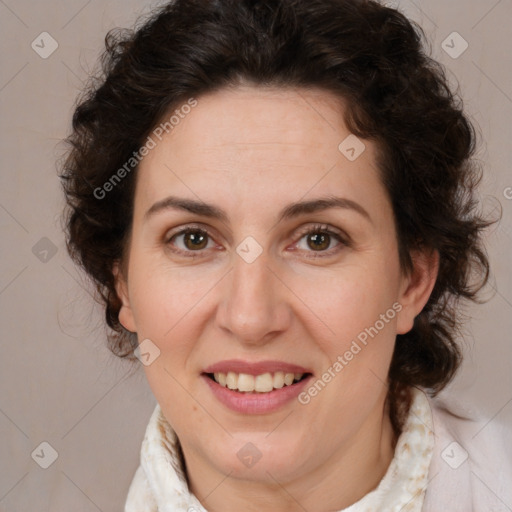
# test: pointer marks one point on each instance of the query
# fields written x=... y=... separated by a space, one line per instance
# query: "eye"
x=190 y=240
x=320 y=239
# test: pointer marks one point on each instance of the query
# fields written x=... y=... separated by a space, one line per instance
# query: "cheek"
x=350 y=299
x=358 y=313
x=356 y=334
x=163 y=296
x=170 y=308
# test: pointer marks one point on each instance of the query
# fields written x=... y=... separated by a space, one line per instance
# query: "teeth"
x=232 y=380
x=245 y=382
x=220 y=378
x=261 y=383
x=278 y=380
x=288 y=378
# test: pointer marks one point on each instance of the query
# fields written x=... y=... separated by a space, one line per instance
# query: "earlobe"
x=126 y=318
x=417 y=287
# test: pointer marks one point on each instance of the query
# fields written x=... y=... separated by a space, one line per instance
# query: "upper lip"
x=254 y=368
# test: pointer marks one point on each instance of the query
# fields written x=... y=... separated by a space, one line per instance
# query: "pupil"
x=320 y=241
x=196 y=239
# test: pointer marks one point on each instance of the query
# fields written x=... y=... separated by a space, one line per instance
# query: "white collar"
x=160 y=484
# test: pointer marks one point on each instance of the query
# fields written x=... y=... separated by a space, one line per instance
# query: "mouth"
x=256 y=388
x=262 y=383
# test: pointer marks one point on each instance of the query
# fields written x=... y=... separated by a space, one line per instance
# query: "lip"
x=256 y=403
x=257 y=368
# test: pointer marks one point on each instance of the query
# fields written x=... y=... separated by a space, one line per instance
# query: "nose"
x=254 y=308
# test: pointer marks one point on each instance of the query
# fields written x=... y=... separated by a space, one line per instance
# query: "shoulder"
x=471 y=467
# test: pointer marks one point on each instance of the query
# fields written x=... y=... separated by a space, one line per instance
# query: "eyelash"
x=310 y=230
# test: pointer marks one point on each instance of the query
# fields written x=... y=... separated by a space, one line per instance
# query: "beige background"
x=58 y=383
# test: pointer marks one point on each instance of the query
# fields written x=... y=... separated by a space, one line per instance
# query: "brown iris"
x=320 y=240
x=195 y=239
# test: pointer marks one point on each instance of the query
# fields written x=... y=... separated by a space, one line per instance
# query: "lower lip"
x=256 y=403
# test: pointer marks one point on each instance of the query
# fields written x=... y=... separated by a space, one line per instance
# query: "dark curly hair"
x=397 y=96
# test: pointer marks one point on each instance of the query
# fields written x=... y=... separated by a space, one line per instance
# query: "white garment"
x=431 y=455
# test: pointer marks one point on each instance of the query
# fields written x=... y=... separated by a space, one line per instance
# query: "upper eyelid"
x=322 y=228
x=188 y=227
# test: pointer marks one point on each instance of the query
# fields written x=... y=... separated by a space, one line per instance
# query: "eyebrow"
x=290 y=211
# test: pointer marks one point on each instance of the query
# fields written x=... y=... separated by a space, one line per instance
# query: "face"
x=259 y=290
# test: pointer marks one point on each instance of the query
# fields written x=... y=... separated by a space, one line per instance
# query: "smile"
x=255 y=387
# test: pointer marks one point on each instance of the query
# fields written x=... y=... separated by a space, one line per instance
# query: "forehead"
x=251 y=143
x=253 y=118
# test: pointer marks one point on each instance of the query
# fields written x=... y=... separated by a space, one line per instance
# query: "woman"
x=275 y=199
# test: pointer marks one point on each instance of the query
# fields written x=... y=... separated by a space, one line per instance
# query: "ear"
x=416 y=287
x=126 y=317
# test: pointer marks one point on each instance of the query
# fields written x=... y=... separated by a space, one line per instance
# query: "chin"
x=254 y=456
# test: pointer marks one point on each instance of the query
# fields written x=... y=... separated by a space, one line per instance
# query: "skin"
x=252 y=151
